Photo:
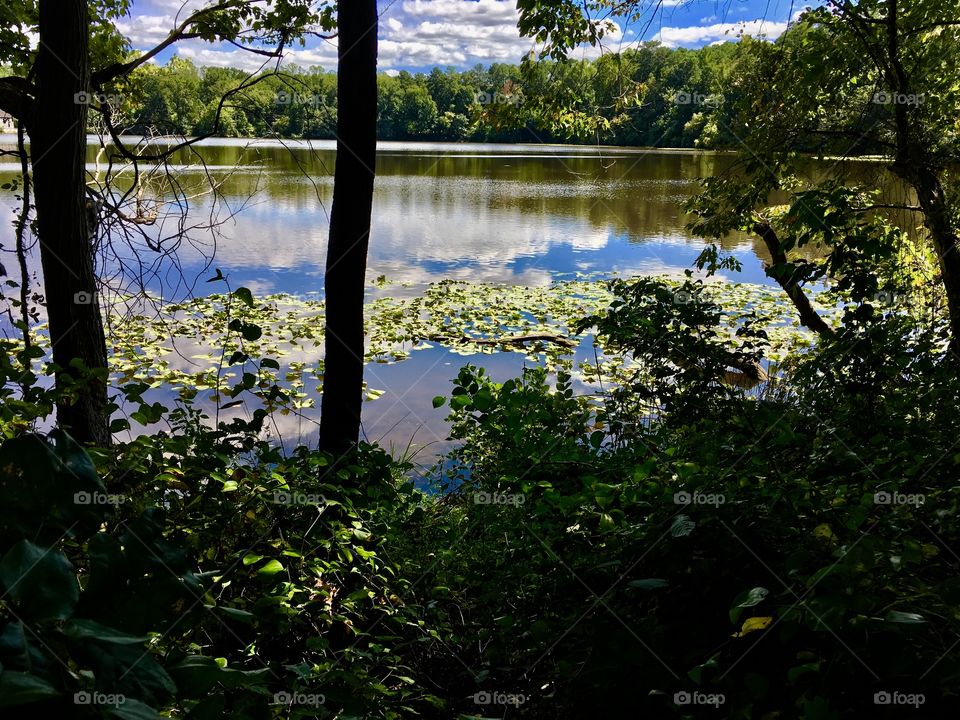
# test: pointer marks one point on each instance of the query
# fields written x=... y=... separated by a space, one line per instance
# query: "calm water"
x=484 y=213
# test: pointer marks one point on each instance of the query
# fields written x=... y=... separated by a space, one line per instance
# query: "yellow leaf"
x=825 y=532
x=754 y=623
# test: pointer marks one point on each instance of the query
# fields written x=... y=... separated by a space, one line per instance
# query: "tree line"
x=652 y=96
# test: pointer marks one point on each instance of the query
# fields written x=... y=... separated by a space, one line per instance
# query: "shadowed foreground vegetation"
x=743 y=507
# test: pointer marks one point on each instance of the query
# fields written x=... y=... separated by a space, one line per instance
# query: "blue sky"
x=422 y=34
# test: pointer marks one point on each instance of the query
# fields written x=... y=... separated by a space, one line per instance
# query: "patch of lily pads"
x=272 y=346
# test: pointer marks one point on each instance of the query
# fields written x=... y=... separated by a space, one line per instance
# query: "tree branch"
x=105 y=75
x=16 y=98
x=808 y=316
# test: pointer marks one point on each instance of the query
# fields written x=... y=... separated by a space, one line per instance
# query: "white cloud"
x=145 y=31
x=698 y=35
x=490 y=12
x=421 y=34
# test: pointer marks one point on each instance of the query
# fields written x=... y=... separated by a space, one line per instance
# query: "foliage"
x=650 y=95
x=214 y=577
x=787 y=555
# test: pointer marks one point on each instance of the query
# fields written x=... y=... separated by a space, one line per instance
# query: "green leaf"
x=131 y=709
x=754 y=597
x=271 y=568
x=81 y=629
x=41 y=581
x=439 y=400
x=682 y=526
x=18 y=688
x=119 y=425
x=245 y=295
x=251 y=332
x=648 y=583
x=909 y=618
x=237 y=614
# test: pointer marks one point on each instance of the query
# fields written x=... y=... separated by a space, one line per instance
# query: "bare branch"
x=180 y=32
x=808 y=316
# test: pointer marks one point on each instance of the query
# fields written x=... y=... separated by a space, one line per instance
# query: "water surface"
x=516 y=214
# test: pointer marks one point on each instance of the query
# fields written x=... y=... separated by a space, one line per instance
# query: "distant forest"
x=650 y=96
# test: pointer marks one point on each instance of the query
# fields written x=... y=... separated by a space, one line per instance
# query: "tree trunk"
x=349 y=225
x=913 y=164
x=58 y=153
x=937 y=219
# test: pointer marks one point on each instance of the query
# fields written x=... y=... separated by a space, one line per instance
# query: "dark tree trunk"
x=58 y=151
x=937 y=219
x=349 y=225
x=913 y=164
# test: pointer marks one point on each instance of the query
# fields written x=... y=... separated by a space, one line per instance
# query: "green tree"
x=53 y=105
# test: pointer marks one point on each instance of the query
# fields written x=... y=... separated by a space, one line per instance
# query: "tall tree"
x=350 y=224
x=58 y=140
x=51 y=92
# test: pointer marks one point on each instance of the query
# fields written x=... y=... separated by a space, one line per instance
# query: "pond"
x=526 y=215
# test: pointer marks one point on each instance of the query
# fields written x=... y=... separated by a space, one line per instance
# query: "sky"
x=418 y=35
